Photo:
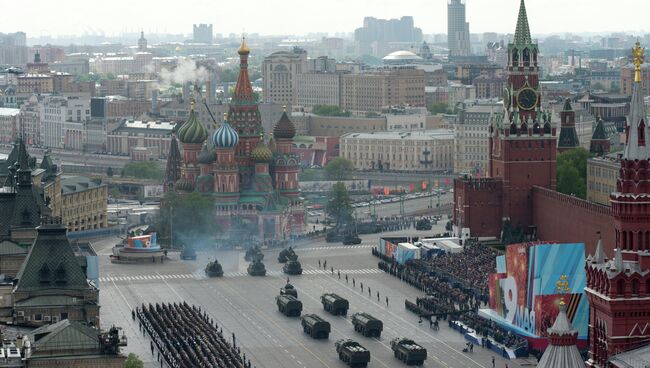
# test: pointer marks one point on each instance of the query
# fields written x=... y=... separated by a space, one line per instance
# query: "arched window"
x=635 y=287
x=620 y=286
x=642 y=133
x=515 y=57
x=526 y=57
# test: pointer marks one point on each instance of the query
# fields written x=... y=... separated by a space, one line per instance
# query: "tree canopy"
x=193 y=219
x=439 y=108
x=330 y=110
x=340 y=168
x=133 y=361
x=339 y=207
x=143 y=170
x=572 y=172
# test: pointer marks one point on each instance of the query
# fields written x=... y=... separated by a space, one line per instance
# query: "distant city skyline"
x=296 y=17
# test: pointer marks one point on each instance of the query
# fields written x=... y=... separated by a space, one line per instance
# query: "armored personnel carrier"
x=288 y=289
x=352 y=353
x=351 y=239
x=367 y=325
x=335 y=304
x=188 y=253
x=252 y=253
x=256 y=268
x=292 y=267
x=288 y=305
x=315 y=326
x=423 y=224
x=408 y=351
x=285 y=255
x=214 y=269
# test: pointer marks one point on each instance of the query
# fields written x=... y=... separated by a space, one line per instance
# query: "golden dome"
x=243 y=49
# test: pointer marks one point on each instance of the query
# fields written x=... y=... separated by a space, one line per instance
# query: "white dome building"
x=402 y=57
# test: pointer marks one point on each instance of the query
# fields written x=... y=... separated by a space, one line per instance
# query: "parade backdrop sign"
x=525 y=295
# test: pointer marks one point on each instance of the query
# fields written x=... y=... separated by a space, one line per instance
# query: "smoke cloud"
x=186 y=71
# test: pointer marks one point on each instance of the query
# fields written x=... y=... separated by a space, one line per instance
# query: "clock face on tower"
x=527 y=99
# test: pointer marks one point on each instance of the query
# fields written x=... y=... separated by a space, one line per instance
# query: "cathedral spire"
x=243 y=90
x=637 y=123
x=522 y=33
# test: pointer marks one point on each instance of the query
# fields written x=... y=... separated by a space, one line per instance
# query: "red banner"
x=386 y=191
x=424 y=185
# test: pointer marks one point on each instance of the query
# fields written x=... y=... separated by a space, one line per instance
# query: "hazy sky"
x=112 y=17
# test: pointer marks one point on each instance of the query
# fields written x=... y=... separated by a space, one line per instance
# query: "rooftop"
x=420 y=135
x=74 y=184
x=402 y=55
x=6 y=111
x=137 y=125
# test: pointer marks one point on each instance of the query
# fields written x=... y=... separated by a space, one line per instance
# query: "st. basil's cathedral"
x=254 y=183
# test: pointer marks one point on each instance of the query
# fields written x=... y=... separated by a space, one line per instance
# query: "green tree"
x=439 y=108
x=330 y=110
x=190 y=215
x=339 y=206
x=311 y=175
x=133 y=361
x=229 y=75
x=109 y=172
x=340 y=168
x=115 y=193
x=143 y=170
x=572 y=172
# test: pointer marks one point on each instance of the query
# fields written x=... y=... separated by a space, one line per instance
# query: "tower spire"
x=636 y=147
x=522 y=32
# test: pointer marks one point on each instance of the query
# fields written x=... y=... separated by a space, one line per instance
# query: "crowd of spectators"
x=488 y=329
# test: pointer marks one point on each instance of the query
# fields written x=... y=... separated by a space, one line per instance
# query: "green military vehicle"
x=408 y=351
x=214 y=269
x=256 y=268
x=288 y=305
x=368 y=325
x=352 y=353
x=335 y=304
x=292 y=267
x=289 y=289
x=315 y=326
x=423 y=224
x=253 y=253
x=285 y=255
x=351 y=239
x=188 y=253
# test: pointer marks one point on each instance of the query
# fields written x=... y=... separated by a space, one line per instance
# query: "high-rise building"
x=457 y=29
x=376 y=34
x=202 y=33
x=472 y=133
x=279 y=71
x=142 y=42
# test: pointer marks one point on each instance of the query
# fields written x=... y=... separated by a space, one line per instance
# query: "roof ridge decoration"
x=522 y=32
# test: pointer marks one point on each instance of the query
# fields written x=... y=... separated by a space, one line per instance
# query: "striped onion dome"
x=225 y=136
x=185 y=185
x=261 y=153
x=192 y=131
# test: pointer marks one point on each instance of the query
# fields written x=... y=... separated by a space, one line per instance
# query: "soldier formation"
x=186 y=337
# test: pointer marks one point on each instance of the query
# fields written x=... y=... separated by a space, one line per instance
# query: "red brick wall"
x=568 y=219
x=481 y=205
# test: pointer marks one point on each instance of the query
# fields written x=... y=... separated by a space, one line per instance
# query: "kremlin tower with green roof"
x=253 y=183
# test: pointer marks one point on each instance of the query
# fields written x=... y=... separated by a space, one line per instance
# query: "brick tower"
x=619 y=290
x=522 y=143
x=568 y=136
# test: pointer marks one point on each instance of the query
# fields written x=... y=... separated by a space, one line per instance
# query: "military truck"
x=288 y=289
x=368 y=325
x=335 y=304
x=352 y=353
x=214 y=269
x=285 y=255
x=315 y=326
x=423 y=224
x=351 y=239
x=408 y=351
x=288 y=305
x=256 y=268
x=292 y=267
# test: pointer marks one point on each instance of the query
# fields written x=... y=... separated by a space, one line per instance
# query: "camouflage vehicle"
x=315 y=326
x=333 y=236
x=423 y=224
x=214 y=269
x=335 y=304
x=351 y=239
x=292 y=267
x=188 y=253
x=352 y=353
x=368 y=325
x=408 y=351
x=252 y=253
x=288 y=305
x=288 y=289
x=285 y=255
x=256 y=268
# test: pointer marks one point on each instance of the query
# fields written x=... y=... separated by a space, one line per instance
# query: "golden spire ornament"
x=562 y=287
x=637 y=59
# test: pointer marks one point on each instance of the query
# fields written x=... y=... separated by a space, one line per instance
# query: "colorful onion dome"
x=261 y=153
x=185 y=185
x=284 y=129
x=243 y=49
x=225 y=136
x=206 y=156
x=192 y=131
